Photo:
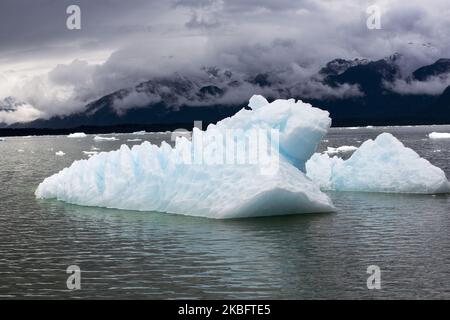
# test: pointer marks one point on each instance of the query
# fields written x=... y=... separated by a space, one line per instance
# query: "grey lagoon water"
x=150 y=255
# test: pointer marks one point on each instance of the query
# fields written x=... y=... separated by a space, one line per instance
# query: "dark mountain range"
x=338 y=66
x=368 y=76
x=442 y=66
x=220 y=93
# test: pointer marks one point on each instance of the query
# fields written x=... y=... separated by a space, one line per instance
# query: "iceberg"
x=380 y=165
x=99 y=138
x=439 y=135
x=207 y=176
x=140 y=133
x=60 y=153
x=77 y=135
x=341 y=149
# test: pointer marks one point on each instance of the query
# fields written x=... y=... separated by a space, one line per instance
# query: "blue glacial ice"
x=380 y=165
x=204 y=176
x=209 y=181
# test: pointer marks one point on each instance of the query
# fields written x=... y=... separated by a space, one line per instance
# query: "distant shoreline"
x=130 y=128
x=127 y=128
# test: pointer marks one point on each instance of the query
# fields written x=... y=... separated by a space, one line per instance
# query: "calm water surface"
x=148 y=255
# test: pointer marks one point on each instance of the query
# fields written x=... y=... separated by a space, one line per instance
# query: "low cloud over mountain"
x=356 y=91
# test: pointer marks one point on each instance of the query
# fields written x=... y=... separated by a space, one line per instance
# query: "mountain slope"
x=441 y=66
x=220 y=93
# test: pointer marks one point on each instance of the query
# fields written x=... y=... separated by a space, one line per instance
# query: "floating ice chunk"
x=77 y=135
x=139 y=133
x=341 y=149
x=134 y=140
x=439 y=135
x=20 y=150
x=380 y=165
x=151 y=178
x=60 y=153
x=99 y=138
x=346 y=148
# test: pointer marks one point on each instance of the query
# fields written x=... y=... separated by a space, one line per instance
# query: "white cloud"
x=134 y=99
x=432 y=86
x=23 y=113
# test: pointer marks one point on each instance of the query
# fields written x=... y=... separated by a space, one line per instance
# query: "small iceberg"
x=134 y=140
x=439 y=135
x=139 y=133
x=60 y=153
x=99 y=138
x=77 y=135
x=380 y=165
x=342 y=149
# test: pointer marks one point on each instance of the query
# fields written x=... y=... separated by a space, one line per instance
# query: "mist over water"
x=126 y=254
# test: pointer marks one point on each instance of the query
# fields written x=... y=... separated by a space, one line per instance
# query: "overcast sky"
x=56 y=70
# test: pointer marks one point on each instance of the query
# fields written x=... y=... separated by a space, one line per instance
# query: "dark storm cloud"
x=123 y=42
x=27 y=24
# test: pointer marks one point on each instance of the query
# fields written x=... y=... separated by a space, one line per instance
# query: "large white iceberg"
x=380 y=165
x=204 y=176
